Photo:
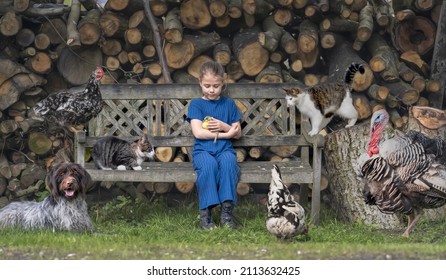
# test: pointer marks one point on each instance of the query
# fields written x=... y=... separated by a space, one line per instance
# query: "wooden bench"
x=162 y=108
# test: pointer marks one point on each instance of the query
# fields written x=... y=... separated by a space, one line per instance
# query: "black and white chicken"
x=70 y=109
x=286 y=217
x=404 y=174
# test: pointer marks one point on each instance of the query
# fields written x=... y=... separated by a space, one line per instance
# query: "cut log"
x=165 y=154
x=181 y=54
x=25 y=37
x=39 y=143
x=56 y=29
x=11 y=89
x=73 y=37
x=194 y=67
x=336 y=24
x=3 y=185
x=365 y=27
x=346 y=145
x=384 y=60
x=284 y=151
x=429 y=117
x=256 y=152
x=249 y=52
x=10 y=24
x=89 y=28
x=308 y=38
x=79 y=70
x=243 y=189
x=241 y=154
x=416 y=35
x=173 y=29
x=403 y=92
x=40 y=63
x=272 y=73
x=378 y=93
x=31 y=174
x=194 y=14
x=270 y=37
x=113 y=24
x=362 y=106
x=340 y=57
x=5 y=168
x=222 y=52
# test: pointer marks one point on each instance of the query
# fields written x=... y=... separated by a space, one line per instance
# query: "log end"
x=429 y=117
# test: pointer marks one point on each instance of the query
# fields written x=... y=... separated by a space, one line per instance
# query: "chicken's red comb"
x=99 y=72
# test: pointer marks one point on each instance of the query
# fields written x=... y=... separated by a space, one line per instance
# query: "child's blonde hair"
x=213 y=68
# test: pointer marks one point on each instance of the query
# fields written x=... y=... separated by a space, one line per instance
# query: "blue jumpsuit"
x=215 y=163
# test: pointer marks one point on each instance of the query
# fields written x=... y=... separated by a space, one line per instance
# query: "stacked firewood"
x=46 y=46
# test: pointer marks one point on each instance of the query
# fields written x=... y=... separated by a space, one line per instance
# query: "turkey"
x=404 y=174
x=68 y=108
x=286 y=218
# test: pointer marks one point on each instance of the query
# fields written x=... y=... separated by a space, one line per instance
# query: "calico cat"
x=112 y=152
x=321 y=102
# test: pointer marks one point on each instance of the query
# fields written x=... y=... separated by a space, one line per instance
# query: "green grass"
x=129 y=230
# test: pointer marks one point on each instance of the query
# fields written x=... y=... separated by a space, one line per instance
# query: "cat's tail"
x=351 y=71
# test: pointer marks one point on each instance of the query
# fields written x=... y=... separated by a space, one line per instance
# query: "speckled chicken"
x=70 y=109
x=286 y=218
x=404 y=174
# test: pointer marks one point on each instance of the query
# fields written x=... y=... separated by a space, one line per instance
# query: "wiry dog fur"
x=64 y=209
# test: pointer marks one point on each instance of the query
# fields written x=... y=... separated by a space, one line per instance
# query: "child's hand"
x=235 y=131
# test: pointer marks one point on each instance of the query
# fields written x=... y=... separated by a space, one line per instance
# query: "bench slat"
x=292 y=172
x=245 y=141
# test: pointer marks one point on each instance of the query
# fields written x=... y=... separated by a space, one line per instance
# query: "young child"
x=214 y=157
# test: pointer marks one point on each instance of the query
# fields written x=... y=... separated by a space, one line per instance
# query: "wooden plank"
x=251 y=172
x=245 y=141
x=190 y=91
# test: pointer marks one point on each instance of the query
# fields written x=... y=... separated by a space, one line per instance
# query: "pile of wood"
x=46 y=46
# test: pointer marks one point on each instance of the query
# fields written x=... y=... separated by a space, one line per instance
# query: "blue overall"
x=215 y=163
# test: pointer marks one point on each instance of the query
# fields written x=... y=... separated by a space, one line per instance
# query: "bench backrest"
x=162 y=109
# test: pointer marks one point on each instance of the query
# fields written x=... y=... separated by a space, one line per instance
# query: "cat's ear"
x=292 y=91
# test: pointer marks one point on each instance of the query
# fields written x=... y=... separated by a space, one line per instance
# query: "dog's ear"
x=85 y=180
x=51 y=181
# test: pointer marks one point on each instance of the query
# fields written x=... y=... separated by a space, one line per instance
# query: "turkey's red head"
x=99 y=72
x=378 y=122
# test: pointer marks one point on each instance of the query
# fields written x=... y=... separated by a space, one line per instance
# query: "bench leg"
x=303 y=196
x=316 y=191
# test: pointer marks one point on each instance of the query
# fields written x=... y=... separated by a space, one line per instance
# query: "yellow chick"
x=205 y=124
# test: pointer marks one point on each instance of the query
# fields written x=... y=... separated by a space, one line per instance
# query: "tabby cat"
x=321 y=102
x=112 y=152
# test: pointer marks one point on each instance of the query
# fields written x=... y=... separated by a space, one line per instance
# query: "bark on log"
x=89 y=28
x=76 y=71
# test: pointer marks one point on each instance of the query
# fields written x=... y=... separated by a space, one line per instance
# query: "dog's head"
x=68 y=180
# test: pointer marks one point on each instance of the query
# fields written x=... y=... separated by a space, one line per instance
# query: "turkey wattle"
x=286 y=218
x=69 y=108
x=404 y=174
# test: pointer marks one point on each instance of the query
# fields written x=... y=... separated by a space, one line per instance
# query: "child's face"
x=211 y=86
